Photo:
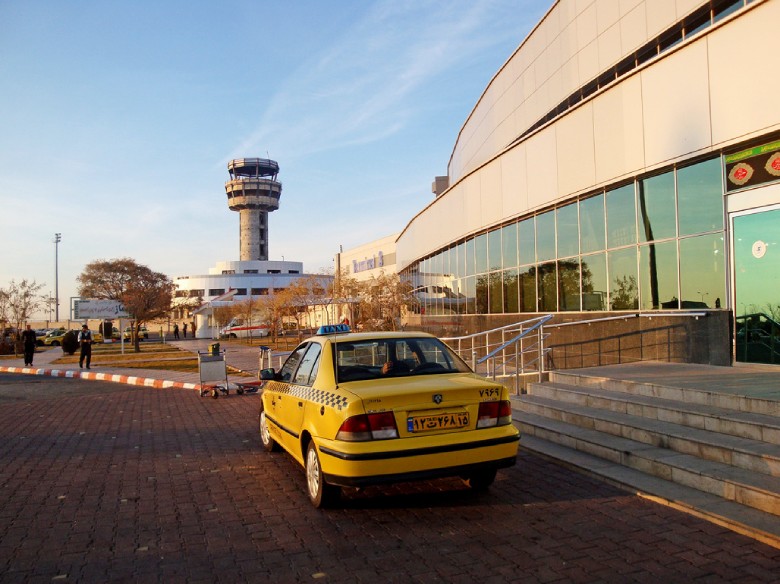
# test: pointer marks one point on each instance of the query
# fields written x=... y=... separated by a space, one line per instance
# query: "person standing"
x=28 y=338
x=85 y=342
x=185 y=330
x=193 y=329
x=176 y=331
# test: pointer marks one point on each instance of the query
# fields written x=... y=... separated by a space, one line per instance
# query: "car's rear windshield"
x=404 y=357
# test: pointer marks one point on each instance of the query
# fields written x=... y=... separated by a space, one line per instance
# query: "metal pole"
x=57 y=239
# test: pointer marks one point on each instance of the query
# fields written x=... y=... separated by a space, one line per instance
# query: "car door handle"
x=300 y=404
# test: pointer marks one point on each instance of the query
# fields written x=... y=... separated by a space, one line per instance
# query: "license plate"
x=437 y=422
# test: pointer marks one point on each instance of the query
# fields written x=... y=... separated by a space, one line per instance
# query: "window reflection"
x=496 y=292
x=527 y=288
x=545 y=236
x=658 y=276
x=509 y=245
x=569 y=284
x=623 y=293
x=700 y=197
x=656 y=208
x=480 y=254
x=511 y=295
x=592 y=224
x=702 y=271
x=594 y=282
x=526 y=242
x=548 y=287
x=494 y=249
x=621 y=216
x=568 y=231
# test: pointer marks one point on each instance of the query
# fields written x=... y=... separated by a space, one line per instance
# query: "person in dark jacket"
x=28 y=338
x=85 y=342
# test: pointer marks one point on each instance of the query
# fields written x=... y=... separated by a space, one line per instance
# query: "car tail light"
x=496 y=413
x=379 y=426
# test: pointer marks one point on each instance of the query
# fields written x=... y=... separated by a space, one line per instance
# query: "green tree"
x=145 y=294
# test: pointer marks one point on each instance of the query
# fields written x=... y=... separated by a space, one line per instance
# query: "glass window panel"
x=594 y=282
x=457 y=255
x=545 y=236
x=511 y=296
x=469 y=292
x=527 y=288
x=496 y=293
x=548 y=287
x=700 y=197
x=568 y=231
x=526 y=246
x=702 y=271
x=307 y=370
x=656 y=208
x=494 y=249
x=482 y=294
x=569 y=284
x=468 y=258
x=509 y=245
x=592 y=237
x=480 y=254
x=658 y=276
x=621 y=217
x=623 y=293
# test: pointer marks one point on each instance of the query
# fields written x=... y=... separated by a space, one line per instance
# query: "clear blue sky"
x=118 y=119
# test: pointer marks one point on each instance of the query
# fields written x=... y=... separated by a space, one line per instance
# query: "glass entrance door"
x=757 y=286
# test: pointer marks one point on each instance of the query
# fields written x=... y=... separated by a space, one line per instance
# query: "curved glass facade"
x=656 y=243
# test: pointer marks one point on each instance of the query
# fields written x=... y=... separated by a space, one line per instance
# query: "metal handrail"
x=629 y=315
x=495 y=353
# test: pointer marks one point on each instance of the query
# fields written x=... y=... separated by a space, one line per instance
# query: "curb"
x=115 y=378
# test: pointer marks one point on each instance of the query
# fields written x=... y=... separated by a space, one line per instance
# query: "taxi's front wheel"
x=265 y=434
x=321 y=494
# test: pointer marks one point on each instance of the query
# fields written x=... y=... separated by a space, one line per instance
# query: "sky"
x=118 y=119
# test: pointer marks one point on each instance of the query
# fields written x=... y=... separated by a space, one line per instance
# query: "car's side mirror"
x=268 y=374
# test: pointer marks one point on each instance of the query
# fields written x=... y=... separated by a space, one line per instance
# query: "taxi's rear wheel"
x=265 y=434
x=481 y=480
x=321 y=494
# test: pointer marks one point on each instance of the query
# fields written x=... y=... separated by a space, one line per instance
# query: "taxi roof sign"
x=332 y=329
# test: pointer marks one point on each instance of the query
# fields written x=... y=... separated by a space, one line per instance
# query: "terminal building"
x=253 y=191
x=620 y=170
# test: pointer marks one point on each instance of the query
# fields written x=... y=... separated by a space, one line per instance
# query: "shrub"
x=70 y=342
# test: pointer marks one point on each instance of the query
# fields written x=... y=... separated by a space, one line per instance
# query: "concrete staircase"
x=714 y=455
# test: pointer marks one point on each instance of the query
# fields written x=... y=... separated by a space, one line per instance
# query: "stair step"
x=721 y=400
x=745 y=520
x=760 y=427
x=740 y=485
x=760 y=457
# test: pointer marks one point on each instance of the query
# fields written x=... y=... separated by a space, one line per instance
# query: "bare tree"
x=145 y=294
x=18 y=303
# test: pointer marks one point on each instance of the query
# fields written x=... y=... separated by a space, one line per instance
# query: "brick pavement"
x=122 y=484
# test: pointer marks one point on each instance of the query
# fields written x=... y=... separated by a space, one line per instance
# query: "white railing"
x=514 y=350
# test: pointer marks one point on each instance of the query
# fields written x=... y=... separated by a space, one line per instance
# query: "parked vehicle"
x=357 y=409
x=238 y=329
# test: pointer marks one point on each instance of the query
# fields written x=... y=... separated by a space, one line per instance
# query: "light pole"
x=57 y=239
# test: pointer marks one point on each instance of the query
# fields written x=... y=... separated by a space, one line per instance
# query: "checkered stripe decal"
x=318 y=396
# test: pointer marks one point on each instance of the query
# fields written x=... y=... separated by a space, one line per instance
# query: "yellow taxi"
x=357 y=409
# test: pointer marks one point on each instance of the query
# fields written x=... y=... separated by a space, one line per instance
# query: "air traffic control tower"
x=253 y=191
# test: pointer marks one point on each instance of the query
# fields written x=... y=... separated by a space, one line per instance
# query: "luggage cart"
x=256 y=385
x=213 y=372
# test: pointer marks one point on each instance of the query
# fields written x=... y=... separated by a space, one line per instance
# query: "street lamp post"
x=57 y=239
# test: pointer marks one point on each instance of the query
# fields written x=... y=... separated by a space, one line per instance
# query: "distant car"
x=356 y=409
x=40 y=334
x=53 y=338
x=142 y=333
